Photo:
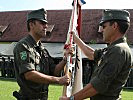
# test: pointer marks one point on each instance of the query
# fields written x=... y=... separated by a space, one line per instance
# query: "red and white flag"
x=74 y=64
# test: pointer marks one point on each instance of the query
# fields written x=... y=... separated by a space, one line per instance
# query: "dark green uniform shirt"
x=28 y=56
x=112 y=70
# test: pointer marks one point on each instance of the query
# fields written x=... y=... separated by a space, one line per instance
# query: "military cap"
x=39 y=14
x=115 y=15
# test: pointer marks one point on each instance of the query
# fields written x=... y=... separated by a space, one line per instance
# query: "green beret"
x=39 y=14
x=115 y=15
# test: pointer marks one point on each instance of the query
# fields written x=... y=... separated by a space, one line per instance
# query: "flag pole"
x=71 y=68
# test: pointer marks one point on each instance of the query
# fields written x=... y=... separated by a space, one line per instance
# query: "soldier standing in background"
x=3 y=71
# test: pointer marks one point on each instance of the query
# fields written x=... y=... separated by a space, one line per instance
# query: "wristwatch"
x=71 y=97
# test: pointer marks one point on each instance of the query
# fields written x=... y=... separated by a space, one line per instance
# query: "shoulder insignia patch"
x=23 y=55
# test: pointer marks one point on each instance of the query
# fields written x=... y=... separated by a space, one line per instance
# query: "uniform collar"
x=32 y=41
x=121 y=40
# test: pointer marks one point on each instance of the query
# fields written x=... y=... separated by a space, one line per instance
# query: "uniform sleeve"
x=97 y=54
x=23 y=58
x=108 y=70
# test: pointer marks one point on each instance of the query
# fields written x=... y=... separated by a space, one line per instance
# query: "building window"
x=49 y=30
x=2 y=29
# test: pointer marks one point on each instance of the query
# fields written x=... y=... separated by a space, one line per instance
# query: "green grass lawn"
x=127 y=94
x=7 y=86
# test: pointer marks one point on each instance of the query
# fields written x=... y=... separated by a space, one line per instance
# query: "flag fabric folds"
x=74 y=63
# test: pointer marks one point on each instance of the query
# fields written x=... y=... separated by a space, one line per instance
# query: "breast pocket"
x=37 y=58
x=37 y=62
x=32 y=57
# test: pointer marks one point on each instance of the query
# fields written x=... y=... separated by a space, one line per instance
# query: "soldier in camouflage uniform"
x=113 y=64
x=34 y=67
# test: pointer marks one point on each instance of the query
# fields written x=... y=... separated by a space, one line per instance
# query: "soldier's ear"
x=115 y=25
x=31 y=24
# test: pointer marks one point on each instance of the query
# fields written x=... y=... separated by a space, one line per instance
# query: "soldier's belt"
x=34 y=96
x=39 y=95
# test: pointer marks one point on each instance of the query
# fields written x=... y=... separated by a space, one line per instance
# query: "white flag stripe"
x=77 y=85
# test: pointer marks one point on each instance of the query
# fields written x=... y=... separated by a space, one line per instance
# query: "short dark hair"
x=28 y=26
x=123 y=25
